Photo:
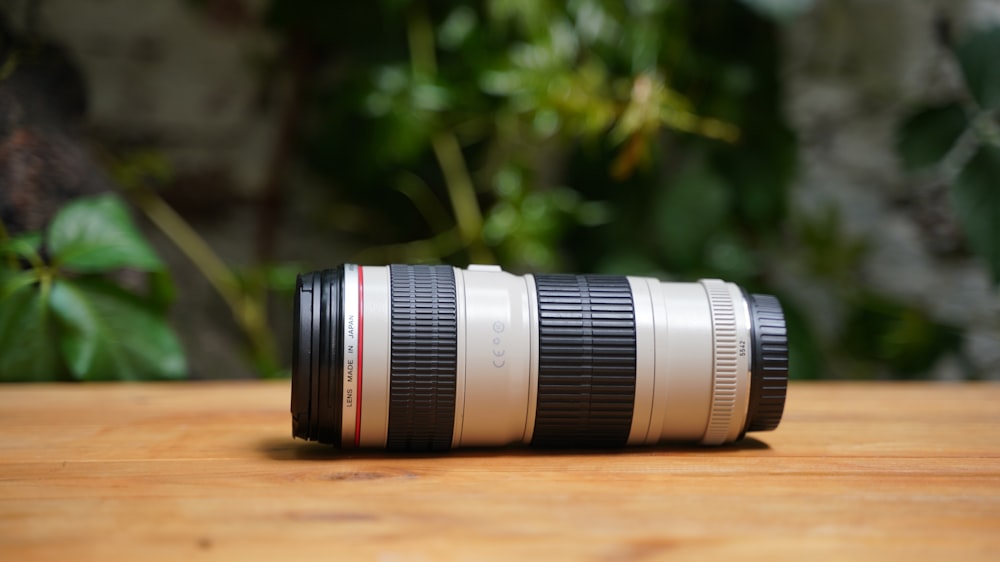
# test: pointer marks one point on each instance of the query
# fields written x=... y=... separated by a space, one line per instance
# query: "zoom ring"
x=423 y=358
x=586 y=361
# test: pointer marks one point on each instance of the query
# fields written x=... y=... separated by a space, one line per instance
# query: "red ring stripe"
x=361 y=352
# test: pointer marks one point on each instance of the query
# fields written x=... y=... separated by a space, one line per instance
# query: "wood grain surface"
x=200 y=471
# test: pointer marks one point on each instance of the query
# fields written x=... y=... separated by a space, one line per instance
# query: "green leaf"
x=94 y=234
x=161 y=291
x=27 y=338
x=13 y=281
x=24 y=245
x=926 y=137
x=457 y=27
x=977 y=202
x=108 y=333
x=978 y=56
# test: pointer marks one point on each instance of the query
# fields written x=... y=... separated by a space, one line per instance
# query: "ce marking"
x=498 y=352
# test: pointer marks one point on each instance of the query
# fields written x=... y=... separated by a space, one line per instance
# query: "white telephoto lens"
x=434 y=357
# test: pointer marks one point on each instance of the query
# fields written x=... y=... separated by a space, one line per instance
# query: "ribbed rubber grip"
x=769 y=369
x=586 y=361
x=725 y=353
x=423 y=357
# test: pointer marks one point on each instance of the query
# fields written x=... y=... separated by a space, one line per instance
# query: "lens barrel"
x=418 y=358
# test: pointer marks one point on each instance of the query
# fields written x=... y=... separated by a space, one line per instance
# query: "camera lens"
x=426 y=357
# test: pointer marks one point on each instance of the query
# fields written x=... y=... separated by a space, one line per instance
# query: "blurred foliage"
x=635 y=137
x=878 y=335
x=903 y=338
x=244 y=290
x=781 y=10
x=954 y=143
x=588 y=131
x=638 y=137
x=958 y=142
x=65 y=314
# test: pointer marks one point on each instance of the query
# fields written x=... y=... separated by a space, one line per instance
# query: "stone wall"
x=853 y=70
x=185 y=80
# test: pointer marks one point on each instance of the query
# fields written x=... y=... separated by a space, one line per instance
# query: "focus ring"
x=586 y=361
x=424 y=347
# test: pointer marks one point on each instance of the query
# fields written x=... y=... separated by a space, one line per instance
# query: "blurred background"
x=843 y=155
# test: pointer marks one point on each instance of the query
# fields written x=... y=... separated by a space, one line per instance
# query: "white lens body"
x=692 y=379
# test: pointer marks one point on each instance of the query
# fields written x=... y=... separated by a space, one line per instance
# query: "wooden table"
x=196 y=471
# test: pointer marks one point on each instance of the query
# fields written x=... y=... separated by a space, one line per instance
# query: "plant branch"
x=445 y=243
x=247 y=312
x=426 y=203
x=11 y=258
x=462 y=193
x=461 y=189
x=420 y=39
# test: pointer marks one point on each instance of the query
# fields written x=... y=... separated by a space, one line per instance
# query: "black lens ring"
x=586 y=361
x=769 y=363
x=302 y=360
x=423 y=357
x=331 y=357
x=317 y=365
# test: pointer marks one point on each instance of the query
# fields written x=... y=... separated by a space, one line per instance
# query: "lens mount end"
x=769 y=363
